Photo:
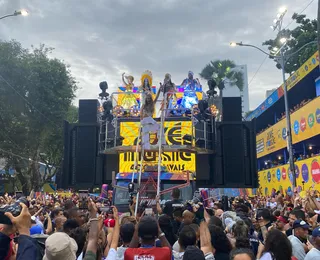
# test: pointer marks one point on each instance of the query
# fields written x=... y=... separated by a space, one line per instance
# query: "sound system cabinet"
x=233 y=164
x=231 y=109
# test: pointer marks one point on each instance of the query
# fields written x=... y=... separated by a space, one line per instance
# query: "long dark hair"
x=149 y=103
x=278 y=245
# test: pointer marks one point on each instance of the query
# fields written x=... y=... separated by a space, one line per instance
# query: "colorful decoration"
x=118 y=111
x=129 y=99
x=134 y=111
x=190 y=85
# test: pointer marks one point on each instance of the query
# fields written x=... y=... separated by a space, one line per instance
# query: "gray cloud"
x=100 y=39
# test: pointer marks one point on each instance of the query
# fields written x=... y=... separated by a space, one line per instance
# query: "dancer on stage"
x=149 y=125
x=145 y=88
x=170 y=88
x=128 y=100
x=190 y=96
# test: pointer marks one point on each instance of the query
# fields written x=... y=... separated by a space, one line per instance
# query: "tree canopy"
x=305 y=32
x=223 y=71
x=36 y=92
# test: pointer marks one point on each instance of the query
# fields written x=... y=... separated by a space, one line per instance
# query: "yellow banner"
x=305 y=123
x=137 y=96
x=280 y=178
x=175 y=162
x=303 y=71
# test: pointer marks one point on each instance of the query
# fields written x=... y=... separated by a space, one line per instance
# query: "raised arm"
x=157 y=96
x=123 y=79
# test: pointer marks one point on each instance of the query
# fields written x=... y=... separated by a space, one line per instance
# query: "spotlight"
x=134 y=111
x=213 y=110
x=195 y=109
x=212 y=85
x=118 y=111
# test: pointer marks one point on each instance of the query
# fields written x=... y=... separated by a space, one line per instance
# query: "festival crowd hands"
x=203 y=229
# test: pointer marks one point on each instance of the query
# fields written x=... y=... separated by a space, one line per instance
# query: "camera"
x=14 y=209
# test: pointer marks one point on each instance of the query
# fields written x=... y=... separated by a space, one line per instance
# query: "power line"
x=264 y=60
x=26 y=100
x=255 y=74
x=299 y=13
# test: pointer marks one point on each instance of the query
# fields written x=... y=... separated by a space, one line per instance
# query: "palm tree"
x=223 y=71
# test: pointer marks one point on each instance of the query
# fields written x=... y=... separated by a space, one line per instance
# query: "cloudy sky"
x=100 y=39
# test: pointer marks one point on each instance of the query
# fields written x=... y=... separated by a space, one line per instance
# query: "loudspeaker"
x=111 y=164
x=236 y=154
x=233 y=164
x=85 y=156
x=88 y=111
x=231 y=109
x=203 y=167
x=98 y=180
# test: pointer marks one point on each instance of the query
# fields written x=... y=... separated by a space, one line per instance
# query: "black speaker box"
x=86 y=154
x=111 y=164
x=88 y=110
x=234 y=163
x=231 y=109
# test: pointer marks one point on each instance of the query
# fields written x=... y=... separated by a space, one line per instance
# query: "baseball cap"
x=300 y=224
x=36 y=229
x=316 y=232
x=109 y=222
x=60 y=246
x=282 y=219
x=193 y=253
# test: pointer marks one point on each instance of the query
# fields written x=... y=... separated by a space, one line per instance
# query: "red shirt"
x=153 y=253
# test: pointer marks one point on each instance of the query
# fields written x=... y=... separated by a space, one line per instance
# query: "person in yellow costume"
x=128 y=100
x=145 y=88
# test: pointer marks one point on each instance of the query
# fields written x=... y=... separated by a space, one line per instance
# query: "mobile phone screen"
x=148 y=211
x=104 y=209
x=83 y=199
x=18 y=194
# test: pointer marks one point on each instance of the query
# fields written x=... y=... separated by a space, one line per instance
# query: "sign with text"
x=174 y=162
x=305 y=123
x=280 y=178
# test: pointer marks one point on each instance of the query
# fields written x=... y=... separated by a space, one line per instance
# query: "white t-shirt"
x=297 y=247
x=313 y=254
x=266 y=256
x=272 y=205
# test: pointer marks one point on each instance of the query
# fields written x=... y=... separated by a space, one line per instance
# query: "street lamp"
x=16 y=13
x=282 y=59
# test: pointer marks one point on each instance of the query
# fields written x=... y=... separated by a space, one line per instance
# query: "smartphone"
x=83 y=199
x=104 y=209
x=148 y=211
x=18 y=194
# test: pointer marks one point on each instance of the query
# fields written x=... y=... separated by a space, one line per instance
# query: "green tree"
x=223 y=71
x=305 y=32
x=35 y=96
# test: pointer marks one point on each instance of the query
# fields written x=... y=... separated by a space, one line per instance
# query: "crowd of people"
x=243 y=228
x=283 y=114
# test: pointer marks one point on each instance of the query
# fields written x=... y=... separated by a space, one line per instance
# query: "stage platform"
x=155 y=148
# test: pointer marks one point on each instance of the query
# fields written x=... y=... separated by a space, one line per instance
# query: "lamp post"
x=16 y=13
x=281 y=58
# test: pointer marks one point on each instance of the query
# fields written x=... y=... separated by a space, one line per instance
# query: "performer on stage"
x=145 y=88
x=149 y=125
x=190 y=96
x=128 y=100
x=168 y=87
